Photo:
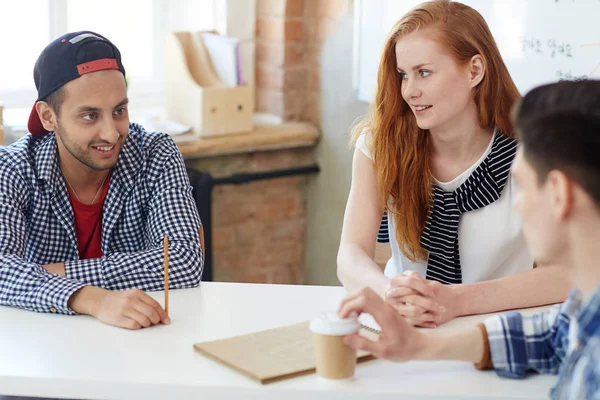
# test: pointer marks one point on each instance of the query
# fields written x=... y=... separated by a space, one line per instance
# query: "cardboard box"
x=195 y=95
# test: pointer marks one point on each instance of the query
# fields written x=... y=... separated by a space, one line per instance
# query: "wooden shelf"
x=264 y=136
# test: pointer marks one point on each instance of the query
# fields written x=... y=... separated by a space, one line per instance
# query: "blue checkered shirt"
x=563 y=340
x=149 y=196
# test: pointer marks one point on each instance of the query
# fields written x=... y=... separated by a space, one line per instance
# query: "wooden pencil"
x=166 y=264
x=202 y=240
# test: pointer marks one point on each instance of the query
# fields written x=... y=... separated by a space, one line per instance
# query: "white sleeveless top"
x=491 y=239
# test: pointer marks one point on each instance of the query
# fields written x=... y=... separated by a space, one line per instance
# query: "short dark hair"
x=55 y=99
x=559 y=128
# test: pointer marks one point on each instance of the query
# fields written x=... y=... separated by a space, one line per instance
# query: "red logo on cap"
x=97 y=65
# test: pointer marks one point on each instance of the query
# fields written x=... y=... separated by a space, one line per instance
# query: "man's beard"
x=79 y=153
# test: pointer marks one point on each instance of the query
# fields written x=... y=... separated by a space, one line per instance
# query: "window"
x=23 y=35
x=136 y=27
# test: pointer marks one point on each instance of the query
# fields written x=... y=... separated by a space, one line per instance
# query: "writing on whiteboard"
x=568 y=76
x=551 y=47
x=560 y=48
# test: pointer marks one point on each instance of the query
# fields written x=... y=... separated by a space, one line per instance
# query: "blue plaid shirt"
x=563 y=340
x=149 y=196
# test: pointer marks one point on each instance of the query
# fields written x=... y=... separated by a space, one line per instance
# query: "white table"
x=78 y=357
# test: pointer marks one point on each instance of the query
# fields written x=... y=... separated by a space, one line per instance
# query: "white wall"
x=328 y=192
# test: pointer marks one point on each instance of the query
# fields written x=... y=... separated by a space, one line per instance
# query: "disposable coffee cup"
x=334 y=360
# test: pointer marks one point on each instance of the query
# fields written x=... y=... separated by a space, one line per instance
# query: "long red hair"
x=399 y=147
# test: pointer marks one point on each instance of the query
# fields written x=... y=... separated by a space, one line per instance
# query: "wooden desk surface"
x=264 y=136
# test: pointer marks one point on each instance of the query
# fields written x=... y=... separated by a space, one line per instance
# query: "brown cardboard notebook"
x=271 y=355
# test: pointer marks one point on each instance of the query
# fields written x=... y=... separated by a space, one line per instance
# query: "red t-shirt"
x=88 y=224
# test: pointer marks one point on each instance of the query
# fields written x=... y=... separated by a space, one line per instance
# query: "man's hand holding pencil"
x=130 y=309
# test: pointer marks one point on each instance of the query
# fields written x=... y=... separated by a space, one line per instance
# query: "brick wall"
x=289 y=38
x=258 y=227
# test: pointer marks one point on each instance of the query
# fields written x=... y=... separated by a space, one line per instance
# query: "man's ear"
x=47 y=115
x=476 y=70
x=561 y=192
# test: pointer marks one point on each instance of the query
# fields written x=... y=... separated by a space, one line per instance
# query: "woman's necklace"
x=75 y=193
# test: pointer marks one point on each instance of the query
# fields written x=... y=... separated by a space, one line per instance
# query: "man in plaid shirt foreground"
x=558 y=170
x=87 y=197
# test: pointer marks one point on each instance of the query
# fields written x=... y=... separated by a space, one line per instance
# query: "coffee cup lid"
x=329 y=323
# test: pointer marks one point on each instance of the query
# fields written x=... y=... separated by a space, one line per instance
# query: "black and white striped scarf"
x=483 y=187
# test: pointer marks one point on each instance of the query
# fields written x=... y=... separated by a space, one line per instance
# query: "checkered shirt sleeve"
x=24 y=284
x=522 y=343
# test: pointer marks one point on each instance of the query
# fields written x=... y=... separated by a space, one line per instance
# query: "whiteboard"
x=541 y=41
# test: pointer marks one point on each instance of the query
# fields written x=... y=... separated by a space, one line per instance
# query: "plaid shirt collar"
x=127 y=167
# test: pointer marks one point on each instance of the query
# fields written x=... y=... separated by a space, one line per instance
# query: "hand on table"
x=397 y=341
x=130 y=309
x=422 y=302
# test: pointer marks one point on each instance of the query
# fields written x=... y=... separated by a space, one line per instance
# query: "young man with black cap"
x=558 y=171
x=87 y=197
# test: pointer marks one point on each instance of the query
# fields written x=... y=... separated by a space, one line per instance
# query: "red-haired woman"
x=435 y=152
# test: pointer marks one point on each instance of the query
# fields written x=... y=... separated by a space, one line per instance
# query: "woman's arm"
x=539 y=286
x=355 y=265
